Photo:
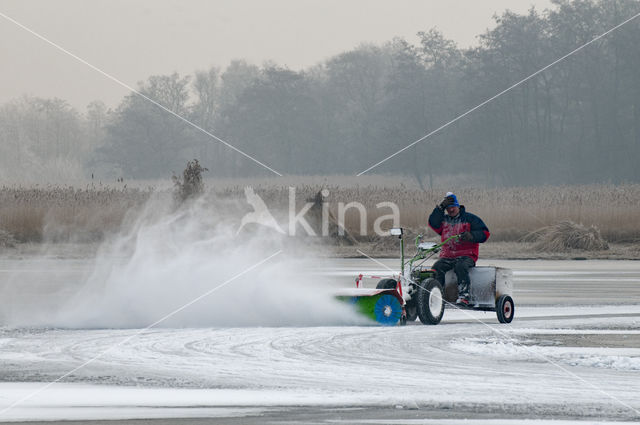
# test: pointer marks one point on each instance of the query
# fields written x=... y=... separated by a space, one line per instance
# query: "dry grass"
x=56 y=214
x=73 y=214
x=510 y=213
x=567 y=235
x=7 y=240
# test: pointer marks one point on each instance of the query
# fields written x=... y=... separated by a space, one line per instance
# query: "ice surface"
x=470 y=363
x=478 y=422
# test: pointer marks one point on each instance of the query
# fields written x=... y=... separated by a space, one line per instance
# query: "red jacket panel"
x=447 y=226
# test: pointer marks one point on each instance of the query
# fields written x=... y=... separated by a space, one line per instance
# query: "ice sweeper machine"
x=414 y=292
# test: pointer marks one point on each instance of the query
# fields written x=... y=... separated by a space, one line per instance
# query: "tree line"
x=576 y=122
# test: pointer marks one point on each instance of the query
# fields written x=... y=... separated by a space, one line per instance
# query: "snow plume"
x=166 y=258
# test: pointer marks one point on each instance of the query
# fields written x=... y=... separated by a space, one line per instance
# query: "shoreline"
x=490 y=250
x=510 y=251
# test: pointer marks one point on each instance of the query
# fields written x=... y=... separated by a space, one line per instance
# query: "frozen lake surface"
x=572 y=353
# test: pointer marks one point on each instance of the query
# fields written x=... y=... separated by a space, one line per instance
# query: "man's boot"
x=463 y=294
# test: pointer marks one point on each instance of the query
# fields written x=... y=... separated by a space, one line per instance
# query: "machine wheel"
x=430 y=302
x=505 y=309
x=387 y=284
x=411 y=308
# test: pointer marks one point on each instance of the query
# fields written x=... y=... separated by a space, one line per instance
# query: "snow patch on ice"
x=476 y=422
x=622 y=359
x=86 y=402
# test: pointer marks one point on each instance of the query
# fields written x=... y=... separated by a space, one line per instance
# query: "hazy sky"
x=133 y=39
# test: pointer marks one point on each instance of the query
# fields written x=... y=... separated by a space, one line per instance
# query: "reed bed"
x=65 y=214
x=567 y=235
x=52 y=213
x=510 y=213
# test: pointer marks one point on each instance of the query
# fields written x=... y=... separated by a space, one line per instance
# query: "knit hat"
x=455 y=199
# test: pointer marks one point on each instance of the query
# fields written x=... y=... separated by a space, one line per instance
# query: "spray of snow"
x=166 y=257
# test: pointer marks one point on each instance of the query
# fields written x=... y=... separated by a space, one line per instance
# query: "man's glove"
x=466 y=236
x=448 y=201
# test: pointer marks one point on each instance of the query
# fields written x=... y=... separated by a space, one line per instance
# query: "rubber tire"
x=411 y=308
x=505 y=309
x=387 y=284
x=427 y=289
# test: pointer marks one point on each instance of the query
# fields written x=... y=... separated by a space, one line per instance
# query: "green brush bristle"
x=365 y=306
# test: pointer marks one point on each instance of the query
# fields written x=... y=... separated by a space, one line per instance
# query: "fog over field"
x=335 y=110
x=133 y=40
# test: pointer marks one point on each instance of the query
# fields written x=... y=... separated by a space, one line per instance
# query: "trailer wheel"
x=430 y=302
x=387 y=284
x=505 y=309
